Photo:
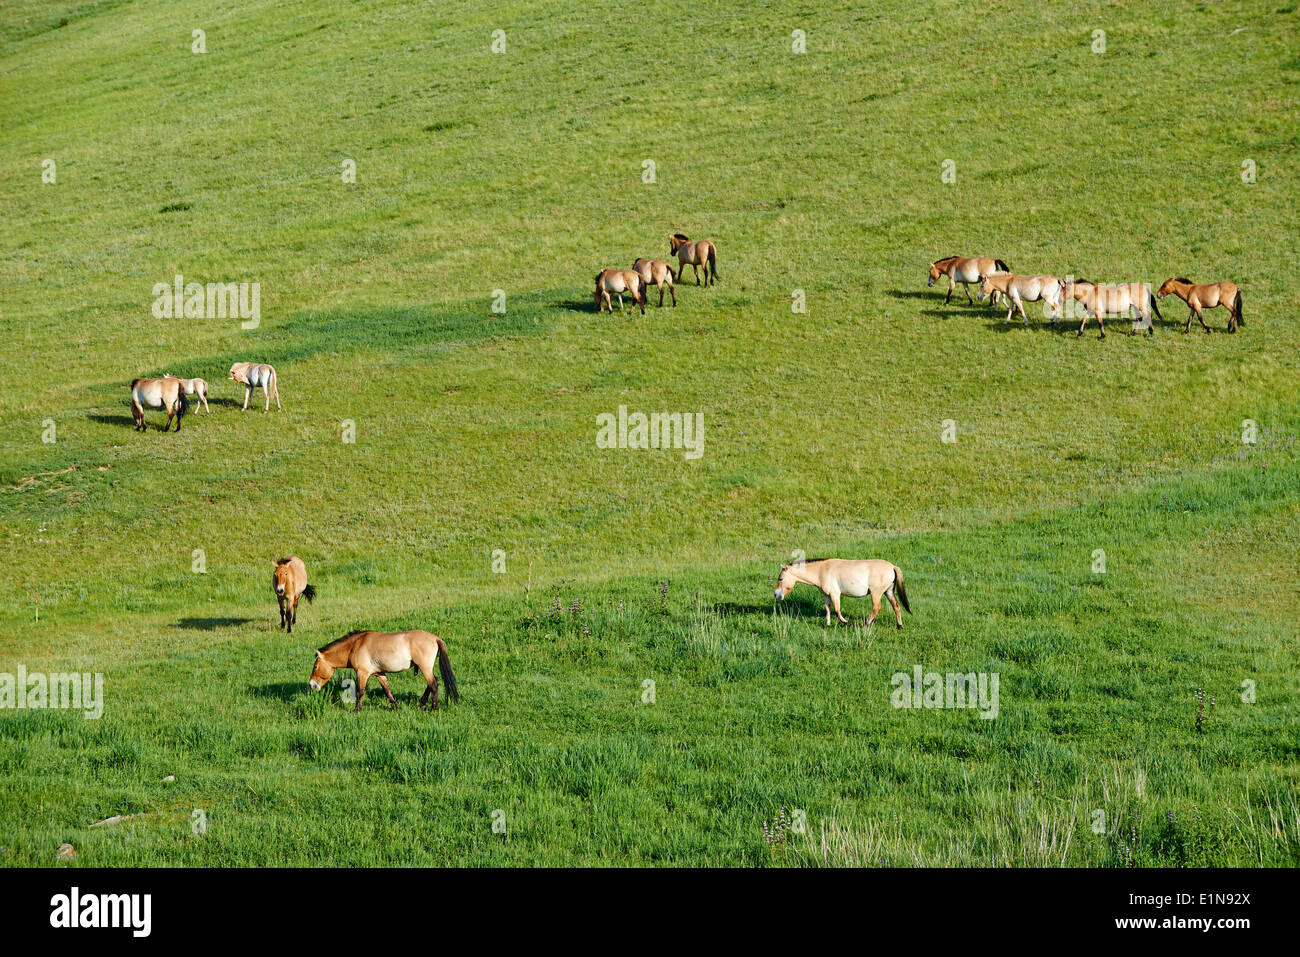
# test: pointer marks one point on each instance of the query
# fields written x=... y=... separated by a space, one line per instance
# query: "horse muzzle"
x=315 y=685
x=779 y=595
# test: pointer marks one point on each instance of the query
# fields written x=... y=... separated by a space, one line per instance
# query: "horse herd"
x=369 y=654
x=997 y=280
x=170 y=393
x=378 y=654
x=657 y=272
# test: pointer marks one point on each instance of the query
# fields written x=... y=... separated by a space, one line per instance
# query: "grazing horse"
x=619 y=281
x=837 y=576
x=198 y=388
x=1018 y=290
x=1200 y=296
x=254 y=374
x=1098 y=301
x=965 y=270
x=289 y=579
x=163 y=393
x=695 y=254
x=381 y=653
x=656 y=272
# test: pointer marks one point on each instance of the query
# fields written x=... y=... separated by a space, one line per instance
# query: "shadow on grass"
x=211 y=624
x=281 y=690
x=910 y=293
x=1045 y=325
x=757 y=607
x=111 y=419
x=311 y=333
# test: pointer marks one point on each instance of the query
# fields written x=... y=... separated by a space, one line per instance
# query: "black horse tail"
x=1236 y=305
x=444 y=666
x=713 y=261
x=309 y=593
x=184 y=407
x=1001 y=265
x=898 y=587
x=1154 y=308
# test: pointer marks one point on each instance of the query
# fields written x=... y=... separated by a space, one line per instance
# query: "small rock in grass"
x=66 y=852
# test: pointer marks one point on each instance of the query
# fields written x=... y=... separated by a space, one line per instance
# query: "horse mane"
x=806 y=561
x=945 y=259
x=682 y=236
x=284 y=561
x=338 y=641
x=1184 y=279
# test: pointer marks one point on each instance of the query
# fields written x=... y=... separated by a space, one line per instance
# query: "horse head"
x=784 y=582
x=321 y=673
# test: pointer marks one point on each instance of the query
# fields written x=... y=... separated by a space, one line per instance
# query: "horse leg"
x=672 y=292
x=427 y=674
x=828 y=610
x=835 y=600
x=383 y=683
x=281 y=600
x=362 y=678
x=898 y=612
x=661 y=295
x=248 y=394
x=1201 y=318
x=875 y=608
x=266 y=391
x=966 y=286
x=1021 y=305
x=681 y=268
x=696 y=270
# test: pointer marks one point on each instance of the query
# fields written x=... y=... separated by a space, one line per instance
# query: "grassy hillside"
x=475 y=430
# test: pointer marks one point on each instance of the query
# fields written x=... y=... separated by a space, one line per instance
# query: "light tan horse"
x=965 y=270
x=656 y=272
x=837 y=576
x=695 y=254
x=254 y=374
x=289 y=579
x=619 y=281
x=197 y=388
x=1133 y=297
x=1018 y=290
x=1200 y=296
x=162 y=393
x=382 y=653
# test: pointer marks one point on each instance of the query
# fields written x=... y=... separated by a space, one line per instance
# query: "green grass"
x=475 y=432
